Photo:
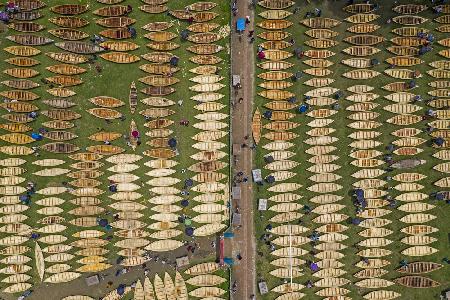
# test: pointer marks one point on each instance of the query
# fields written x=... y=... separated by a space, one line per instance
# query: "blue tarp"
x=228 y=261
x=240 y=24
x=228 y=235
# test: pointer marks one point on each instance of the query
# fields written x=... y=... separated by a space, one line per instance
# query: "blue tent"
x=240 y=24
x=121 y=289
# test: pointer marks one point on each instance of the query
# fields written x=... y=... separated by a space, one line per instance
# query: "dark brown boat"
x=20 y=84
x=19 y=106
x=420 y=267
x=59 y=103
x=69 y=9
x=116 y=33
x=27 y=5
x=153 y=9
x=22 y=61
x=61 y=114
x=115 y=22
x=59 y=135
x=26 y=16
x=29 y=39
x=69 y=34
x=26 y=26
x=66 y=57
x=69 y=22
x=417 y=282
x=17 y=118
x=79 y=47
x=60 y=147
x=58 y=124
x=158 y=90
x=112 y=11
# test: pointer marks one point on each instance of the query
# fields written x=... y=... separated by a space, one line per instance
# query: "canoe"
x=153 y=9
x=69 y=9
x=361 y=74
x=364 y=40
x=320 y=23
x=409 y=9
x=111 y=11
x=115 y=22
x=362 y=18
x=202 y=27
x=79 y=47
x=275 y=14
x=419 y=267
x=120 y=57
x=409 y=20
x=279 y=4
x=360 y=8
x=363 y=28
x=29 y=39
x=415 y=281
x=361 y=50
x=381 y=295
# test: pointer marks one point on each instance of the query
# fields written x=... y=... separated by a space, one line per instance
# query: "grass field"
x=333 y=9
x=114 y=80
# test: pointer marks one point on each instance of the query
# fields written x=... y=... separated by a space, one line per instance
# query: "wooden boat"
x=361 y=74
x=363 y=28
x=29 y=39
x=274 y=24
x=362 y=18
x=277 y=14
x=21 y=72
x=417 y=282
x=120 y=57
x=443 y=19
x=409 y=20
x=111 y=11
x=26 y=26
x=409 y=9
x=115 y=22
x=69 y=21
x=20 y=84
x=79 y=47
x=320 y=23
x=360 y=8
x=278 y=4
x=419 y=268
x=364 y=40
x=381 y=294
x=69 y=9
x=66 y=57
x=157 y=26
x=274 y=35
x=69 y=34
x=361 y=50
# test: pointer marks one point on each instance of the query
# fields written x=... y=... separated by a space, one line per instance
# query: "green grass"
x=333 y=9
x=115 y=80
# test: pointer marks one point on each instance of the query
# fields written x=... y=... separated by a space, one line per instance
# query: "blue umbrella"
x=103 y=222
x=189 y=182
x=440 y=196
x=314 y=267
x=172 y=143
x=270 y=179
x=189 y=231
x=36 y=136
x=174 y=60
x=267 y=114
x=184 y=202
x=303 y=108
x=121 y=289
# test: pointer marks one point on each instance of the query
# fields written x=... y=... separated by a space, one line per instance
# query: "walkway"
x=244 y=241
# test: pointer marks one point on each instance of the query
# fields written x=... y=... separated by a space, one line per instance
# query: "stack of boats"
x=66 y=70
x=89 y=244
x=15 y=254
x=127 y=207
x=323 y=97
x=162 y=288
x=366 y=157
x=160 y=78
x=115 y=22
x=283 y=202
x=204 y=282
x=416 y=242
x=211 y=191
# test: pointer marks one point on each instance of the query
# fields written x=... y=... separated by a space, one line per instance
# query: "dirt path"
x=244 y=242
